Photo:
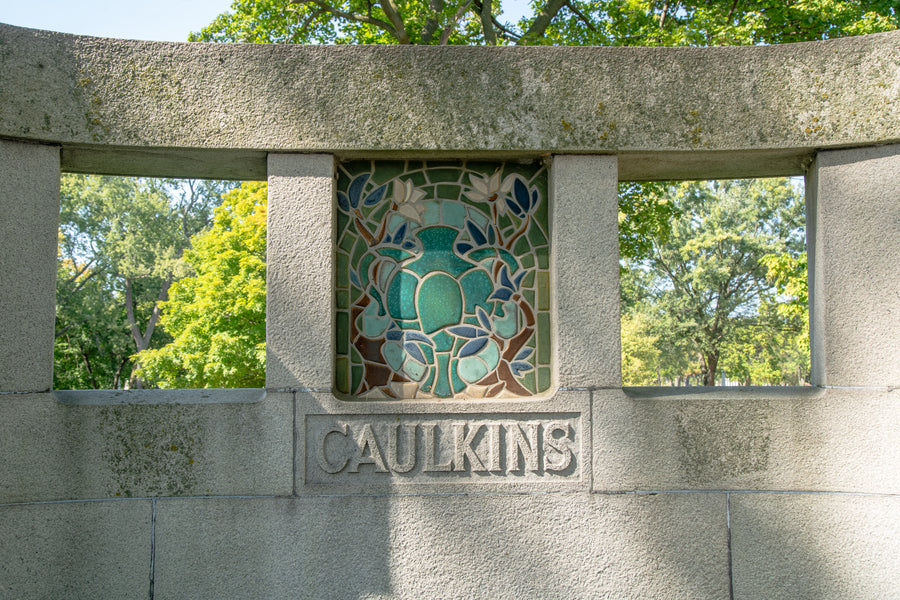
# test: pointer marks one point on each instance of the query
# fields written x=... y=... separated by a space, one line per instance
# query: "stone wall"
x=587 y=491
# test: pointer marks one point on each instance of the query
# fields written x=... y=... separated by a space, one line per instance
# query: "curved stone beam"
x=153 y=108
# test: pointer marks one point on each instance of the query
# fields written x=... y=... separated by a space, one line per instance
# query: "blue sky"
x=160 y=20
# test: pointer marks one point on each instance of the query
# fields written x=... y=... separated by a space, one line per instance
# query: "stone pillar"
x=853 y=234
x=585 y=251
x=299 y=330
x=29 y=222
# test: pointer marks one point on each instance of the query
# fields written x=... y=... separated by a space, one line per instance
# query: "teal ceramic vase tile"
x=443 y=280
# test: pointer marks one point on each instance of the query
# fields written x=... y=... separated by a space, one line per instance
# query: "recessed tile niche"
x=443 y=280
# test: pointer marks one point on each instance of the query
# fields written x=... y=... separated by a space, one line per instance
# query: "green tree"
x=641 y=358
x=120 y=247
x=93 y=346
x=217 y=316
x=768 y=349
x=708 y=279
x=551 y=22
x=717 y=22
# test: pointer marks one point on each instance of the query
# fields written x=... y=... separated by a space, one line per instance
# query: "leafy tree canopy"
x=550 y=22
x=120 y=246
x=707 y=284
x=217 y=316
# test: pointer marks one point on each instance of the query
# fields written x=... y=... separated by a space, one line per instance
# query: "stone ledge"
x=772 y=106
x=55 y=451
x=827 y=440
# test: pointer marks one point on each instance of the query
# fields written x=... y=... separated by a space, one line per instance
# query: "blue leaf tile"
x=376 y=196
x=514 y=207
x=522 y=196
x=401 y=233
x=464 y=331
x=484 y=318
x=473 y=347
x=504 y=279
x=518 y=280
x=356 y=189
x=477 y=235
x=418 y=337
x=414 y=351
x=343 y=201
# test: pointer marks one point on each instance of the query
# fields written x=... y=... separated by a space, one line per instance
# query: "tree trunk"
x=712 y=362
x=142 y=340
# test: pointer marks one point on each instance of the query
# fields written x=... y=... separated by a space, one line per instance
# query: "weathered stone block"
x=585 y=256
x=853 y=223
x=145 y=107
x=746 y=438
x=445 y=546
x=442 y=447
x=76 y=550
x=815 y=546
x=300 y=258
x=29 y=220
x=54 y=451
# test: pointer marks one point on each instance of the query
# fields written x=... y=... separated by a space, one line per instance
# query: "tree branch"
x=352 y=16
x=304 y=26
x=129 y=313
x=448 y=30
x=731 y=12
x=507 y=34
x=154 y=316
x=542 y=21
x=487 y=25
x=78 y=271
x=665 y=11
x=581 y=16
x=393 y=13
x=70 y=326
x=431 y=21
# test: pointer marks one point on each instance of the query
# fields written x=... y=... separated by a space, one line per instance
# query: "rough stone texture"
x=75 y=550
x=145 y=108
x=855 y=301
x=453 y=546
x=572 y=408
x=29 y=220
x=300 y=272
x=748 y=439
x=53 y=451
x=815 y=547
x=88 y=93
x=585 y=262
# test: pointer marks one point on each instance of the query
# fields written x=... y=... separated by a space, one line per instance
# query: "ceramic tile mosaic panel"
x=443 y=280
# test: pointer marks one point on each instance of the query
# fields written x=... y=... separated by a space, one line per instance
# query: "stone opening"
x=714 y=283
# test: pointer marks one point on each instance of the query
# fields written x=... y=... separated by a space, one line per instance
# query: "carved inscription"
x=372 y=448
